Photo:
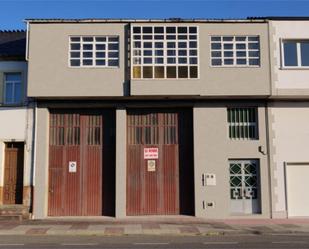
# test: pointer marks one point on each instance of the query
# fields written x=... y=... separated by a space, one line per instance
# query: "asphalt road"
x=156 y=242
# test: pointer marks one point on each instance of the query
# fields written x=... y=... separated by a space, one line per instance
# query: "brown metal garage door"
x=76 y=164
x=153 y=167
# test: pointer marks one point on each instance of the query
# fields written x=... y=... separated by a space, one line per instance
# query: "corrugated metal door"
x=75 y=164
x=13 y=173
x=153 y=180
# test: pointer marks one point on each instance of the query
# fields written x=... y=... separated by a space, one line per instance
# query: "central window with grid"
x=164 y=52
x=94 y=51
x=235 y=51
x=243 y=123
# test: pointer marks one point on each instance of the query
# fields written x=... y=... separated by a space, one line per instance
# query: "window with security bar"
x=164 y=52
x=235 y=51
x=243 y=123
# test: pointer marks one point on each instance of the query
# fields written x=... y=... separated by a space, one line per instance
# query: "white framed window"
x=164 y=52
x=295 y=53
x=235 y=51
x=243 y=123
x=94 y=51
x=12 y=88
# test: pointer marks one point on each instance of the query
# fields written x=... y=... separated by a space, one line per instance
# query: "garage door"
x=160 y=165
x=297 y=182
x=77 y=150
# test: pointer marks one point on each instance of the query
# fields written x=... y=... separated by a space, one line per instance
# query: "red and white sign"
x=151 y=153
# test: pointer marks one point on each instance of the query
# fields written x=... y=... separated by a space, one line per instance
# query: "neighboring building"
x=16 y=124
x=288 y=116
x=150 y=117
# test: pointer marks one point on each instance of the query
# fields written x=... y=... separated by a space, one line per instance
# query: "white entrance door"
x=245 y=186
x=297 y=180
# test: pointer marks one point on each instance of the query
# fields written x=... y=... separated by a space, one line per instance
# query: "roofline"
x=281 y=18
x=124 y=20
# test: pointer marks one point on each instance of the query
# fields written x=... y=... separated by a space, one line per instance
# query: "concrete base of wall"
x=279 y=215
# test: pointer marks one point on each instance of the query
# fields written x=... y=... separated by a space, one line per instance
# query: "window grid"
x=235 y=51
x=158 y=55
x=94 y=51
x=12 y=88
x=298 y=53
x=242 y=123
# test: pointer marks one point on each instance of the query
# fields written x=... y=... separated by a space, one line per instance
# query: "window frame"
x=94 y=58
x=14 y=82
x=247 y=50
x=298 y=51
x=248 y=124
x=165 y=56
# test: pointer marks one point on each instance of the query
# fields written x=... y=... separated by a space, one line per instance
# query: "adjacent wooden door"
x=13 y=173
x=153 y=153
x=75 y=164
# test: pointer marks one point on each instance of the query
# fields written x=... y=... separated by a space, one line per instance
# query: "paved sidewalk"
x=153 y=226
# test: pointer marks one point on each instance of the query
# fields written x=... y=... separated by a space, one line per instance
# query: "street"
x=282 y=241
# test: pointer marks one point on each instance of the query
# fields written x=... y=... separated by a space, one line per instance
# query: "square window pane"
x=136 y=30
x=147 y=72
x=240 y=38
x=100 y=39
x=304 y=48
x=216 y=46
x=253 y=38
x=228 y=46
x=171 y=45
x=253 y=46
x=171 y=72
x=228 y=61
x=182 y=30
x=158 y=44
x=148 y=52
x=241 y=53
x=254 y=62
x=137 y=52
x=182 y=60
x=216 y=38
x=193 y=72
x=171 y=52
x=193 y=60
x=290 y=54
x=182 y=52
x=159 y=72
x=136 y=37
x=100 y=54
x=87 y=46
x=182 y=44
x=137 y=61
x=137 y=44
x=75 y=46
x=136 y=72
x=241 y=61
x=182 y=72
x=147 y=30
x=100 y=47
x=159 y=30
x=87 y=54
x=88 y=39
x=170 y=30
x=192 y=44
x=147 y=37
x=87 y=62
x=75 y=63
x=171 y=37
x=228 y=54
x=182 y=37
x=113 y=39
x=100 y=62
x=159 y=60
x=75 y=39
x=193 y=52
x=171 y=60
x=147 y=45
x=216 y=54
x=159 y=37
x=216 y=62
x=147 y=60
x=228 y=38
x=240 y=46
x=254 y=53
x=159 y=52
x=75 y=54
x=13 y=77
x=193 y=30
x=192 y=37
x=113 y=46
x=113 y=63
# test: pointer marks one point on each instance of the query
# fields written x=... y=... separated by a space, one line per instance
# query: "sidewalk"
x=153 y=226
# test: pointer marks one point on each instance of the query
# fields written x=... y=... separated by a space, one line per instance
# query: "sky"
x=13 y=12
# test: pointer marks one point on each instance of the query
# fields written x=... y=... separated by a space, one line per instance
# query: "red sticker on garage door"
x=151 y=153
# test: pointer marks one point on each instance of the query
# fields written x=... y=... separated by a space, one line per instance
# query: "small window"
x=295 y=53
x=12 y=88
x=235 y=51
x=243 y=123
x=94 y=51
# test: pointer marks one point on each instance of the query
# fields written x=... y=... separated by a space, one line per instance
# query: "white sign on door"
x=72 y=167
x=151 y=165
x=151 y=153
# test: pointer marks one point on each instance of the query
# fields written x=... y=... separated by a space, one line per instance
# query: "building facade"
x=165 y=117
x=16 y=126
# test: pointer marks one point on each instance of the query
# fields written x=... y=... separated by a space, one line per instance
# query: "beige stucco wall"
x=290 y=82
x=49 y=71
x=217 y=81
x=213 y=149
x=290 y=142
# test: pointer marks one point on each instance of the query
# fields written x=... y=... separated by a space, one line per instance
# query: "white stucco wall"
x=287 y=78
x=290 y=143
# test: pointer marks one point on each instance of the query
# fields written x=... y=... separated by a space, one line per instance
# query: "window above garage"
x=164 y=52
x=94 y=51
x=295 y=53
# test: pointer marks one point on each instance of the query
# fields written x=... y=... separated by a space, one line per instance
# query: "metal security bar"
x=242 y=123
